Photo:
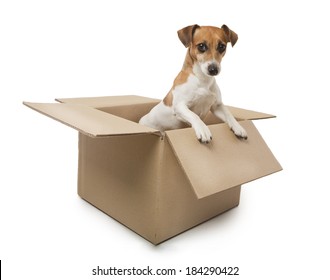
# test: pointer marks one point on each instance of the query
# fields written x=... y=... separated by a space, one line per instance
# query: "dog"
x=195 y=92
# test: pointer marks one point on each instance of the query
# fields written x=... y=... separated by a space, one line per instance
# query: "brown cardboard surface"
x=119 y=175
x=143 y=187
x=224 y=163
x=89 y=120
x=178 y=207
x=244 y=114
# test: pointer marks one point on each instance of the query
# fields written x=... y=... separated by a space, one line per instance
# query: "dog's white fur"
x=196 y=92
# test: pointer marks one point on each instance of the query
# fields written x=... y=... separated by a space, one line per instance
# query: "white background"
x=69 y=48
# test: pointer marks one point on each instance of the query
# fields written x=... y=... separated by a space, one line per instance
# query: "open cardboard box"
x=159 y=185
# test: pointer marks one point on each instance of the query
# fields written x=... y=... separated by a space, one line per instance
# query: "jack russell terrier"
x=195 y=92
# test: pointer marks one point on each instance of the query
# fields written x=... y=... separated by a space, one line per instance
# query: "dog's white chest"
x=202 y=101
x=197 y=95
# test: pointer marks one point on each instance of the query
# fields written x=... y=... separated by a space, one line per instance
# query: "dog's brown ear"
x=186 y=34
x=231 y=35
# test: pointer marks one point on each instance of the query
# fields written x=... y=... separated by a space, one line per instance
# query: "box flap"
x=244 y=114
x=108 y=101
x=88 y=120
x=224 y=163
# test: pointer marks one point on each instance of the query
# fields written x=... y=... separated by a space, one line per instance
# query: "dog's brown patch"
x=180 y=79
x=168 y=100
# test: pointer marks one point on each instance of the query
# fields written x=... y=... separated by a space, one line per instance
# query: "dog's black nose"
x=213 y=70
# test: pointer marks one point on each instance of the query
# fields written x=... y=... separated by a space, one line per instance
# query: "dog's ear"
x=186 y=34
x=231 y=35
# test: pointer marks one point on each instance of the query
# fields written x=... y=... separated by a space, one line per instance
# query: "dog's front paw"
x=203 y=134
x=239 y=132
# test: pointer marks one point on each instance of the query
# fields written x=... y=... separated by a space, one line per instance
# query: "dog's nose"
x=213 y=70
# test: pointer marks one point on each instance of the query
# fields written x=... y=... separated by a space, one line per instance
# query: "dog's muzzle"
x=213 y=69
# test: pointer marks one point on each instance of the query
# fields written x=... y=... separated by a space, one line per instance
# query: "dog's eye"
x=221 y=47
x=202 y=47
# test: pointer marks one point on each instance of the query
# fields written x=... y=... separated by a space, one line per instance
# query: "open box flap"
x=224 y=163
x=88 y=120
x=108 y=101
x=244 y=114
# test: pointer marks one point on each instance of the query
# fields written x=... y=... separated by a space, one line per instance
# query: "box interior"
x=135 y=112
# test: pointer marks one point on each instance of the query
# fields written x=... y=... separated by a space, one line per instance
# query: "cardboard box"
x=159 y=186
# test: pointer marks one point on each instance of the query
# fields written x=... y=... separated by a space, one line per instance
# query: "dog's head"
x=207 y=45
